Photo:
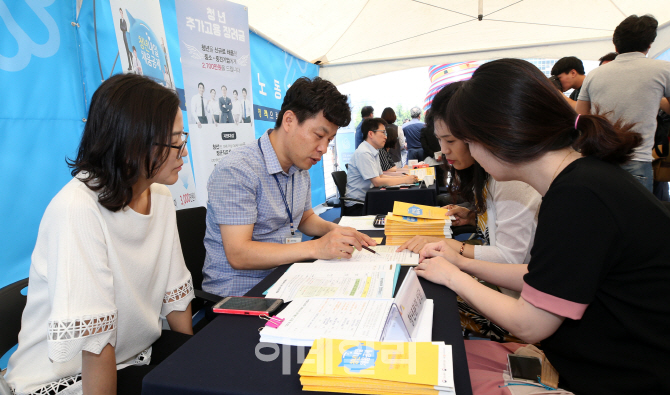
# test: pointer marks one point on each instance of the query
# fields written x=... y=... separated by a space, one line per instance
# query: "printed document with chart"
x=407 y=317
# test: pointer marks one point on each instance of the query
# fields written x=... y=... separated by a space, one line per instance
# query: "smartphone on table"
x=247 y=305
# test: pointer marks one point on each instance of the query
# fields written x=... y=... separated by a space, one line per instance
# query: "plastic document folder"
x=361 y=367
x=407 y=317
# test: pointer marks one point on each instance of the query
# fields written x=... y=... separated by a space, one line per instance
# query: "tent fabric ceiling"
x=357 y=38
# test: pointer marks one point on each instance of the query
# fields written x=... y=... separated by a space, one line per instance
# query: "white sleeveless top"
x=97 y=277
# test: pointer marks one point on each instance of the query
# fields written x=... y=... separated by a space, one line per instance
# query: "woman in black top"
x=595 y=290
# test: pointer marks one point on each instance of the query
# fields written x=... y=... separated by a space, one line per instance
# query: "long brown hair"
x=511 y=108
x=469 y=183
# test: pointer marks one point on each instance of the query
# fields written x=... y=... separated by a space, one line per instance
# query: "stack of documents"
x=409 y=220
x=407 y=317
x=359 y=367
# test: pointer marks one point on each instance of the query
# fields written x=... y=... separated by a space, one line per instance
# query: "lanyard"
x=281 y=191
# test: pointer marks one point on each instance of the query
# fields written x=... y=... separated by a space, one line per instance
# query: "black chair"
x=191 y=225
x=12 y=303
x=340 y=179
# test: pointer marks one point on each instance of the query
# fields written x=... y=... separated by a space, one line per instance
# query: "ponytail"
x=613 y=143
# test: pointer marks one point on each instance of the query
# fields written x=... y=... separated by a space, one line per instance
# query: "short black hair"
x=608 y=58
x=635 y=34
x=128 y=134
x=244 y=90
x=223 y=86
x=307 y=97
x=371 y=124
x=367 y=111
x=567 y=64
x=234 y=91
x=199 y=83
x=212 y=90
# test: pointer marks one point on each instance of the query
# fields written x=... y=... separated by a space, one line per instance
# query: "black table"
x=379 y=201
x=222 y=357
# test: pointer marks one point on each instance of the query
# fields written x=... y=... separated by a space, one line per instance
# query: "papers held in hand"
x=407 y=317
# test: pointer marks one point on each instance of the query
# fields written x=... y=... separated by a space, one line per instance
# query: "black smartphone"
x=522 y=367
x=380 y=221
x=247 y=305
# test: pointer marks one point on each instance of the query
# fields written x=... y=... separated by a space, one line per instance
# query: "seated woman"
x=595 y=290
x=385 y=157
x=505 y=212
x=107 y=262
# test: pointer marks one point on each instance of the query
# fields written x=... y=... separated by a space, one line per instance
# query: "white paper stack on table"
x=409 y=220
x=384 y=253
x=351 y=279
x=408 y=317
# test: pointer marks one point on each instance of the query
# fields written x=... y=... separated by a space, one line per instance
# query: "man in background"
x=123 y=26
x=630 y=89
x=225 y=106
x=570 y=71
x=365 y=170
x=198 y=108
x=412 y=131
x=247 y=107
x=607 y=58
x=366 y=112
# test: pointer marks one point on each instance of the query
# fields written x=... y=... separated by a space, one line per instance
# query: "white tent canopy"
x=353 y=39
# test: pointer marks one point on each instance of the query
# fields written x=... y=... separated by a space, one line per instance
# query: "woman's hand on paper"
x=443 y=250
x=418 y=242
x=438 y=270
x=462 y=214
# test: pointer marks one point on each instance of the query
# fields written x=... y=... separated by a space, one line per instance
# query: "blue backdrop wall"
x=49 y=70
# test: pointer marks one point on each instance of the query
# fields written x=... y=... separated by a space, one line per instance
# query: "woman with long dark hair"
x=504 y=213
x=595 y=290
x=107 y=262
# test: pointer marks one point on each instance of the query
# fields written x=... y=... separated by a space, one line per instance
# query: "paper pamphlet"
x=384 y=253
x=364 y=222
x=352 y=279
x=307 y=319
x=419 y=211
x=397 y=367
x=422 y=172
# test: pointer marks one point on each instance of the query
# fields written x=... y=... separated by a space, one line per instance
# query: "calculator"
x=380 y=221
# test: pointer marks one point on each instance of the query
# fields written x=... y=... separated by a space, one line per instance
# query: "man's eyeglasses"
x=381 y=130
x=184 y=140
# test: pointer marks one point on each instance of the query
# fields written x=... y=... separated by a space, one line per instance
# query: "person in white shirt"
x=137 y=65
x=197 y=111
x=247 y=107
x=237 y=108
x=107 y=263
x=212 y=108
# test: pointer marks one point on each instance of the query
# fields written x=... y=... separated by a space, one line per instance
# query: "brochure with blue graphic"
x=407 y=317
x=352 y=366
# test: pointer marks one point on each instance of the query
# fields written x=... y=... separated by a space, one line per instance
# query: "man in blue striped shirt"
x=259 y=195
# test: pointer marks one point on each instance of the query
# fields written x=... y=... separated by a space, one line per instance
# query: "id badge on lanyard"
x=293 y=238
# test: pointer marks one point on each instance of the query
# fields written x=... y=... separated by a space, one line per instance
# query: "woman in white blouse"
x=505 y=213
x=107 y=263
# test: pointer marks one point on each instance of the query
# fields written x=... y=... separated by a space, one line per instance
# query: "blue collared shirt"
x=364 y=165
x=242 y=191
x=412 y=131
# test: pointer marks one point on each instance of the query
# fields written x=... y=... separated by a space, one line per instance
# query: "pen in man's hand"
x=370 y=249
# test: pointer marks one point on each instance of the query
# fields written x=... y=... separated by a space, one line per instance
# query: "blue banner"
x=41 y=118
x=272 y=73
